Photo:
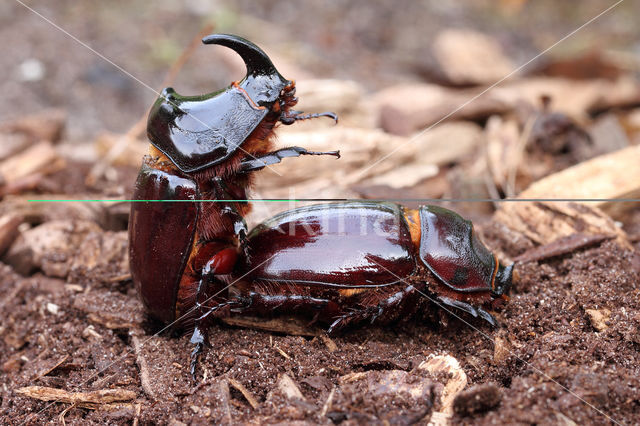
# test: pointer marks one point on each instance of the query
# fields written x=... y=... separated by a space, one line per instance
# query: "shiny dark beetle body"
x=345 y=263
x=340 y=263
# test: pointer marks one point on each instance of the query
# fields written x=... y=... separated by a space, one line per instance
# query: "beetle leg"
x=199 y=336
x=239 y=224
x=469 y=309
x=266 y=304
x=274 y=157
x=291 y=116
x=386 y=310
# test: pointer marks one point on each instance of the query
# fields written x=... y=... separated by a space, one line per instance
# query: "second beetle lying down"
x=341 y=264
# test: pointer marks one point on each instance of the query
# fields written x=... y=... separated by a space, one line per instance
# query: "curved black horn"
x=257 y=62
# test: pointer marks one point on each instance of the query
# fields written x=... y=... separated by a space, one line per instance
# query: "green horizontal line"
x=405 y=200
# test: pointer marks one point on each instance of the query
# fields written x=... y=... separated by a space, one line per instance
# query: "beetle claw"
x=487 y=317
x=198 y=339
x=476 y=312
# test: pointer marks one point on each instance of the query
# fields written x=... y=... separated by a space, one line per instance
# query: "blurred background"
x=390 y=69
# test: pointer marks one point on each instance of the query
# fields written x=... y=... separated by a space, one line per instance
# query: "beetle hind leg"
x=377 y=310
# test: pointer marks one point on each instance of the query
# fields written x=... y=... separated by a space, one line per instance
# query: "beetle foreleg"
x=239 y=224
x=475 y=312
x=275 y=157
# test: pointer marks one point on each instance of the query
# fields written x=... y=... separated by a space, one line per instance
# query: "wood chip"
x=288 y=388
x=290 y=326
x=456 y=383
x=599 y=318
x=50 y=369
x=599 y=177
x=331 y=345
x=561 y=246
x=408 y=108
x=327 y=404
x=469 y=57
x=145 y=376
x=47 y=125
x=545 y=222
x=281 y=352
x=41 y=158
x=245 y=392
x=9 y=224
x=91 y=400
x=11 y=144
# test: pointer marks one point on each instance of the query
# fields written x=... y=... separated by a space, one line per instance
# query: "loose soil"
x=568 y=348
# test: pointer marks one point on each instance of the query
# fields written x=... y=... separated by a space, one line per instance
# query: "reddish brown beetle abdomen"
x=357 y=244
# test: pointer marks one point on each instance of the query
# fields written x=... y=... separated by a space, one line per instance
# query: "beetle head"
x=196 y=132
x=451 y=249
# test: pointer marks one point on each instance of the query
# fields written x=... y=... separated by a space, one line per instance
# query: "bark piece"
x=393 y=396
x=8 y=230
x=576 y=98
x=469 y=57
x=70 y=248
x=561 y=247
x=290 y=326
x=407 y=108
x=91 y=400
x=47 y=125
x=245 y=392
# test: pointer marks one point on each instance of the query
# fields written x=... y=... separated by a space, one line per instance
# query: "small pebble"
x=53 y=308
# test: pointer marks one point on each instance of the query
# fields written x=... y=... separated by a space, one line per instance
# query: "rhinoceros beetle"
x=204 y=148
x=340 y=263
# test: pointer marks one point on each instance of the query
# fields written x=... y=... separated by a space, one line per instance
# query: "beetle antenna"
x=329 y=114
x=294 y=116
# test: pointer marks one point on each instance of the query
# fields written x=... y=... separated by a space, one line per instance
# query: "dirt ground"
x=75 y=343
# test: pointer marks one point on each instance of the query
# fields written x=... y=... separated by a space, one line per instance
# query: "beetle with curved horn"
x=204 y=148
x=341 y=264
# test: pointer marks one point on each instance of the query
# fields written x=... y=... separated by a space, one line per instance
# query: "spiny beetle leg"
x=200 y=333
x=198 y=339
x=275 y=157
x=387 y=309
x=475 y=312
x=239 y=224
x=265 y=304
